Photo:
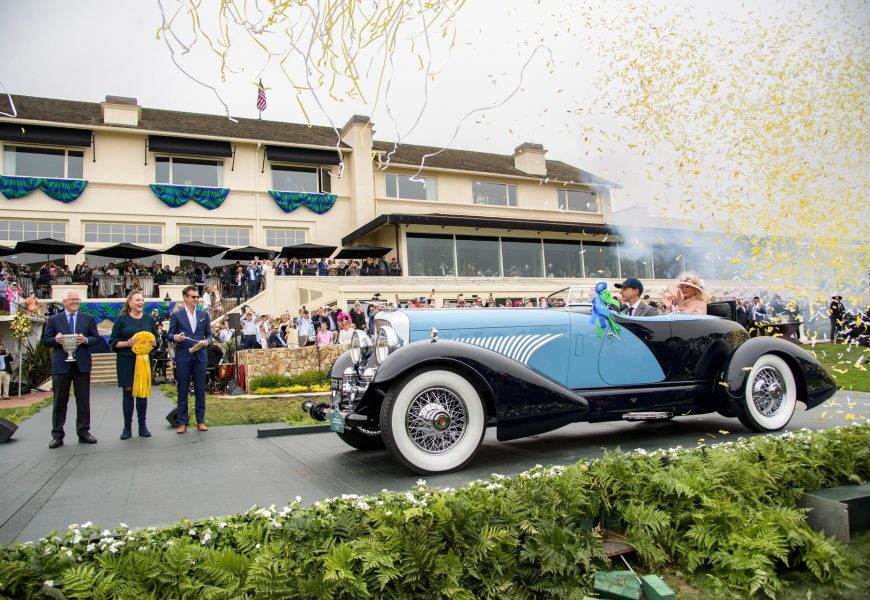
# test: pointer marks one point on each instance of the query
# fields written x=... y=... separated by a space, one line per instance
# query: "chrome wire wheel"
x=433 y=421
x=436 y=420
x=770 y=394
x=768 y=390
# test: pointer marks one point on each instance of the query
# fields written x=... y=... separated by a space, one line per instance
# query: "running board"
x=648 y=416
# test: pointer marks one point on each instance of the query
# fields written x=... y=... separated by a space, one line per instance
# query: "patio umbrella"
x=248 y=253
x=307 y=251
x=195 y=249
x=126 y=251
x=48 y=246
x=4 y=251
x=363 y=252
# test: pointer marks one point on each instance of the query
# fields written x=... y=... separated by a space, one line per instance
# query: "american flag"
x=261 y=97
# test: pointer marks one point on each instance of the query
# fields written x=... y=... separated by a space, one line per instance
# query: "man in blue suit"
x=190 y=329
x=77 y=374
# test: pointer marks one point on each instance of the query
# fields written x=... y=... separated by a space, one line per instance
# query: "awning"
x=305 y=156
x=45 y=136
x=451 y=221
x=189 y=146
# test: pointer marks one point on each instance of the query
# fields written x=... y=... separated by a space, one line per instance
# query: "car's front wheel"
x=433 y=421
x=770 y=395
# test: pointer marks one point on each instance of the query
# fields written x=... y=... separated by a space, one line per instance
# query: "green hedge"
x=307 y=379
x=728 y=511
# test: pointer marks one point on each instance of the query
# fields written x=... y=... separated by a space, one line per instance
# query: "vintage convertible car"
x=432 y=380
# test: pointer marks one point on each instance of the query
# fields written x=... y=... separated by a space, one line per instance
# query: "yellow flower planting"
x=142 y=375
x=21 y=326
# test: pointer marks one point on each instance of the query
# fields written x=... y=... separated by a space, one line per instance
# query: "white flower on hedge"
x=49 y=583
x=222 y=524
x=90 y=547
x=191 y=531
x=76 y=539
x=205 y=537
x=73 y=526
x=640 y=451
x=298 y=498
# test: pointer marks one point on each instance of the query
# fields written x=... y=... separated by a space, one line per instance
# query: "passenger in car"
x=688 y=297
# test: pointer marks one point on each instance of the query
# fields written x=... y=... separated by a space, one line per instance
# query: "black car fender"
x=523 y=401
x=814 y=384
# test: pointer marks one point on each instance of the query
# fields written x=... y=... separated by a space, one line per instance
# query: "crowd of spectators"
x=330 y=267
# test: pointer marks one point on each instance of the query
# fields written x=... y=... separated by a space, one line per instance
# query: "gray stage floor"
x=156 y=481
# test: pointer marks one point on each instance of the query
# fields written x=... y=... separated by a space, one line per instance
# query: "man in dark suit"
x=77 y=374
x=275 y=339
x=630 y=290
x=190 y=329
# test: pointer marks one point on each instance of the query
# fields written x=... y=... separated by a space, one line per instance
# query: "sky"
x=503 y=74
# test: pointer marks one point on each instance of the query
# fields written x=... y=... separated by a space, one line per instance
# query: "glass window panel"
x=75 y=165
x=162 y=170
x=192 y=171
x=705 y=261
x=522 y=258
x=576 y=200
x=16 y=226
x=600 y=260
x=634 y=260
x=416 y=190
x=430 y=255
x=392 y=189
x=37 y=162
x=493 y=194
x=668 y=261
x=295 y=179
x=477 y=256
x=563 y=259
x=58 y=231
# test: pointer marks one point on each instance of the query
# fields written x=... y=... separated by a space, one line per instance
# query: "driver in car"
x=630 y=290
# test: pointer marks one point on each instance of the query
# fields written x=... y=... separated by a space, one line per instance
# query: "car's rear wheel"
x=361 y=441
x=770 y=395
x=433 y=421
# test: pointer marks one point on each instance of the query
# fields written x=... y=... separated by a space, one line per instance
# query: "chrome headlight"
x=360 y=346
x=386 y=343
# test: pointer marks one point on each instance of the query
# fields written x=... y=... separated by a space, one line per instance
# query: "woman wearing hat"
x=688 y=296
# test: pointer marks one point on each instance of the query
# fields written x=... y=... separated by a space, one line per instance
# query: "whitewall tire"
x=770 y=394
x=433 y=421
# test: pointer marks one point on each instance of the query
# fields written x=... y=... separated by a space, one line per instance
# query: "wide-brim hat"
x=836 y=297
x=691 y=280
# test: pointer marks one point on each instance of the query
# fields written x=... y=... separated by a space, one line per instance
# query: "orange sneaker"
x=201 y=427
x=181 y=429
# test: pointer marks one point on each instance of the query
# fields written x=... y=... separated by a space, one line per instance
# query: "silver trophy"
x=70 y=343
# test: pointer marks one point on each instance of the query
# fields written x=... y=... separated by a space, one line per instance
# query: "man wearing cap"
x=630 y=290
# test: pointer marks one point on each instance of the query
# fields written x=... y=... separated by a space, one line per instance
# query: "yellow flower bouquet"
x=142 y=375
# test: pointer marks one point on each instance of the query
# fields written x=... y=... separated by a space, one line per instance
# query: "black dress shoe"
x=55 y=443
x=87 y=438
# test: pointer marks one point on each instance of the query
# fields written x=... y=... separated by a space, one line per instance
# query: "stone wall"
x=286 y=361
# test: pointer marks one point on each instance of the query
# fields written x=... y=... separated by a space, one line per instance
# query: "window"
x=221 y=236
x=190 y=171
x=477 y=256
x=295 y=179
x=115 y=233
x=16 y=231
x=634 y=260
x=430 y=255
x=562 y=259
x=600 y=260
x=521 y=258
x=410 y=187
x=494 y=194
x=578 y=201
x=668 y=261
x=29 y=161
x=278 y=238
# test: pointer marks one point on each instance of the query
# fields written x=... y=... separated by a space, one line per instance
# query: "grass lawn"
x=230 y=410
x=850 y=365
x=695 y=587
x=16 y=415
